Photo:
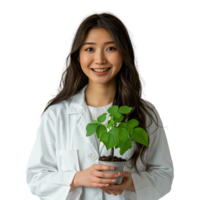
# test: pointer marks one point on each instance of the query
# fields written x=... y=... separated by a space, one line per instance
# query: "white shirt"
x=61 y=149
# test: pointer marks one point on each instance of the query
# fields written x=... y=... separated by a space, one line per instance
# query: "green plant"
x=121 y=136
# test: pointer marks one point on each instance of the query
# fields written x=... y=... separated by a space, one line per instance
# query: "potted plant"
x=117 y=137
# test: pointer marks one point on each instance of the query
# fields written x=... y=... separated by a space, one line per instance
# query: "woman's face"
x=100 y=55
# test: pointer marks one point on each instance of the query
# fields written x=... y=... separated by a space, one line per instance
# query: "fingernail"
x=112 y=168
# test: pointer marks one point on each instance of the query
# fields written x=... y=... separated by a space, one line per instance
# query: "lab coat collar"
x=77 y=105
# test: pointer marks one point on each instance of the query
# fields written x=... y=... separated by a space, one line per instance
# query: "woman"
x=64 y=162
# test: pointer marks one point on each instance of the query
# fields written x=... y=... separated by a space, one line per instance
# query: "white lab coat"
x=61 y=149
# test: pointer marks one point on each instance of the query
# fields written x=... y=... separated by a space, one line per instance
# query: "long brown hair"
x=129 y=88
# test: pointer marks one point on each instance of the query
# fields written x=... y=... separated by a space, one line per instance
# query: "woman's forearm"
x=132 y=188
x=74 y=183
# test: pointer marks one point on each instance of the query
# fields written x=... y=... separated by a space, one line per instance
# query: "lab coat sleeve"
x=156 y=182
x=42 y=175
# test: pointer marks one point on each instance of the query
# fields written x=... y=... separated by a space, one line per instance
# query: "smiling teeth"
x=100 y=70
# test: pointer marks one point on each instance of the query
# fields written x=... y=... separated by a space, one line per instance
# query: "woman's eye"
x=92 y=48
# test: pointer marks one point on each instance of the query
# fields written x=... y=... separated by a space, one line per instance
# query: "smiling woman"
x=101 y=42
x=103 y=55
x=123 y=84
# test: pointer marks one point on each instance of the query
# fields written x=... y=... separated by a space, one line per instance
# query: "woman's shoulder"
x=149 y=104
x=57 y=109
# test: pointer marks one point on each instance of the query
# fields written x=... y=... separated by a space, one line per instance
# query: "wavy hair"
x=129 y=88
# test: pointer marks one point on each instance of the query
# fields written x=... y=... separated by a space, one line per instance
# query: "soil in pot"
x=109 y=158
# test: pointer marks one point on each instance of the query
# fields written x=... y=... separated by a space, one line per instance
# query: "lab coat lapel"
x=78 y=106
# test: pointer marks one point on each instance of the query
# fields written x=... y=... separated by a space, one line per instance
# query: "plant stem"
x=112 y=149
x=112 y=154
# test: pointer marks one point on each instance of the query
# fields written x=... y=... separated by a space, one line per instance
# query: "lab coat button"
x=94 y=156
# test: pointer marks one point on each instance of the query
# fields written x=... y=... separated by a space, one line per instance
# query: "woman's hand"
x=127 y=184
x=91 y=177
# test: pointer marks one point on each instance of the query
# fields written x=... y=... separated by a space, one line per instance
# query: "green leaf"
x=124 y=109
x=122 y=125
x=110 y=139
x=123 y=134
x=115 y=115
x=129 y=128
x=95 y=121
x=139 y=135
x=133 y=123
x=101 y=129
x=118 y=119
x=102 y=118
x=126 y=119
x=113 y=109
x=91 y=128
x=124 y=146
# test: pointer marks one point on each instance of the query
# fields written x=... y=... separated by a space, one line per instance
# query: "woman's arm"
x=74 y=182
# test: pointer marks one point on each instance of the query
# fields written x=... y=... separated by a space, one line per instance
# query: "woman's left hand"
x=127 y=184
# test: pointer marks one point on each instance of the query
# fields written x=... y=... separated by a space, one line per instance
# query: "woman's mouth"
x=101 y=73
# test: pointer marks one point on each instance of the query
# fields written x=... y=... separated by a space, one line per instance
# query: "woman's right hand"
x=90 y=177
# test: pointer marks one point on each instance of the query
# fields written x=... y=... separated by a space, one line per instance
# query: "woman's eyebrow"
x=110 y=42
